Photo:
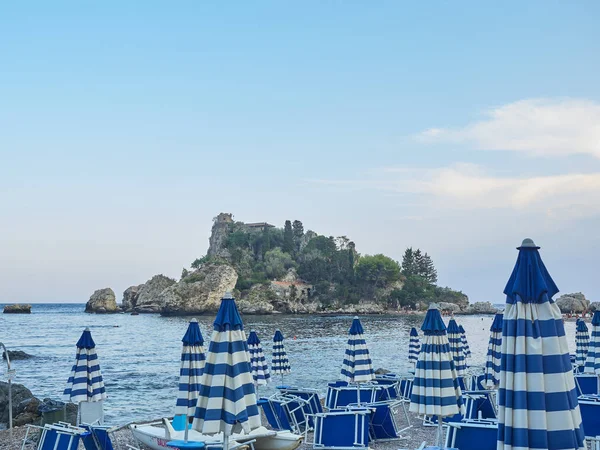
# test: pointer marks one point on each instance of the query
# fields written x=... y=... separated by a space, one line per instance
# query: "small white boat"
x=156 y=435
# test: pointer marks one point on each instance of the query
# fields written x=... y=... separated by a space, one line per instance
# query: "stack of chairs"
x=58 y=436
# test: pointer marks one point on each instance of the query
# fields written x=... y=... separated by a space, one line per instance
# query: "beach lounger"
x=342 y=430
x=472 y=435
x=382 y=423
x=480 y=405
x=312 y=403
x=98 y=438
x=286 y=412
x=391 y=384
x=586 y=384
x=56 y=437
x=340 y=395
x=589 y=405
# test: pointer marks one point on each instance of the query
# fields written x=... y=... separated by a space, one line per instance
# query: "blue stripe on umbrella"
x=537 y=399
x=436 y=391
x=190 y=371
x=414 y=346
x=465 y=343
x=582 y=342
x=258 y=363
x=226 y=394
x=592 y=360
x=492 y=364
x=280 y=364
x=85 y=383
x=456 y=348
x=357 y=366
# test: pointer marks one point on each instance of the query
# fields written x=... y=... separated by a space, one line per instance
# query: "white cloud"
x=542 y=127
x=468 y=186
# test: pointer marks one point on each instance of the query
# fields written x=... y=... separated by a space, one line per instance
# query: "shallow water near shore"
x=139 y=355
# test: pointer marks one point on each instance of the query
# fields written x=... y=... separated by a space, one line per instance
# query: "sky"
x=456 y=127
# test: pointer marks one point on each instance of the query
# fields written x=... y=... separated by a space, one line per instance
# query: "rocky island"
x=287 y=270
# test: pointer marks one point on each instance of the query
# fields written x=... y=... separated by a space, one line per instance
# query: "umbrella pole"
x=225 y=441
x=187 y=428
x=358 y=393
x=282 y=380
x=439 y=433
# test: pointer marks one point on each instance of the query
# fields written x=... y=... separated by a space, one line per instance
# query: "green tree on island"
x=288 y=238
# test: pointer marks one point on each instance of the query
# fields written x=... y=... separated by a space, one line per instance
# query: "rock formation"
x=481 y=308
x=130 y=296
x=448 y=307
x=573 y=303
x=102 y=301
x=16 y=355
x=201 y=291
x=17 y=309
x=145 y=298
x=594 y=306
x=218 y=236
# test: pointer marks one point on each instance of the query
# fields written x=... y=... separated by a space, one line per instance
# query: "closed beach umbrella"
x=592 y=360
x=357 y=367
x=492 y=364
x=435 y=391
x=465 y=343
x=280 y=364
x=456 y=348
x=414 y=346
x=258 y=363
x=226 y=395
x=582 y=343
x=85 y=383
x=537 y=399
x=190 y=371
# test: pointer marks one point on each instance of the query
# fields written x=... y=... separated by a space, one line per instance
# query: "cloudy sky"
x=456 y=127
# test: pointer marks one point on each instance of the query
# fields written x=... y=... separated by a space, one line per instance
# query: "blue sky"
x=456 y=127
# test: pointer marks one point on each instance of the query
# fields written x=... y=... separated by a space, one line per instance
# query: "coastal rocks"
x=19 y=394
x=258 y=300
x=144 y=298
x=218 y=236
x=16 y=355
x=17 y=309
x=448 y=307
x=199 y=292
x=130 y=296
x=572 y=303
x=381 y=371
x=102 y=301
x=481 y=308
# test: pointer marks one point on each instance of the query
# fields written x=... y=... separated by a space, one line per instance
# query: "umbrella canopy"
x=258 y=364
x=435 y=391
x=592 y=360
x=456 y=348
x=85 y=383
x=465 y=344
x=492 y=364
x=280 y=364
x=190 y=371
x=226 y=395
x=537 y=399
x=357 y=367
x=414 y=346
x=582 y=342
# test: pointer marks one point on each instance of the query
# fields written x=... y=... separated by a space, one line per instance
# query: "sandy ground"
x=412 y=438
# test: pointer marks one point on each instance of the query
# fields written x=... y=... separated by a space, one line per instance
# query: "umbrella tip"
x=194 y=320
x=433 y=306
x=355 y=317
x=87 y=329
x=227 y=295
x=527 y=243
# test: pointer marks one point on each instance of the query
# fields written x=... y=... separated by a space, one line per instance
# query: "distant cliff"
x=289 y=270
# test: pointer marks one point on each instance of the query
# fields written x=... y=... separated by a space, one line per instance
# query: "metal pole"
x=10 y=375
x=185 y=434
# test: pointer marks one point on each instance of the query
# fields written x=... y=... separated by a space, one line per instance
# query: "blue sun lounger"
x=586 y=384
x=341 y=394
x=382 y=422
x=286 y=412
x=589 y=405
x=342 y=430
x=472 y=435
x=98 y=438
x=57 y=437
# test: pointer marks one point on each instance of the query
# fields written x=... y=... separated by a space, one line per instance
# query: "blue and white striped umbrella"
x=414 y=346
x=492 y=364
x=357 y=366
x=190 y=371
x=592 y=360
x=258 y=363
x=226 y=395
x=456 y=348
x=85 y=383
x=537 y=399
x=280 y=364
x=465 y=343
x=435 y=391
x=582 y=342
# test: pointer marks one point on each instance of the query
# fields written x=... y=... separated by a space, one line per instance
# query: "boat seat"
x=342 y=429
x=472 y=435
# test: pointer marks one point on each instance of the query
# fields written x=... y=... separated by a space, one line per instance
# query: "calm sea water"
x=139 y=355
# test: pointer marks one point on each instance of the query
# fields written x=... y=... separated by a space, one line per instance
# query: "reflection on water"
x=139 y=355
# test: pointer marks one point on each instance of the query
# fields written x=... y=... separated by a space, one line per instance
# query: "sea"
x=140 y=355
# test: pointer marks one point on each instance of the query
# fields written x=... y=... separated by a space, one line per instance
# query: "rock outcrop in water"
x=200 y=291
x=573 y=303
x=481 y=308
x=16 y=355
x=146 y=298
x=102 y=301
x=17 y=309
